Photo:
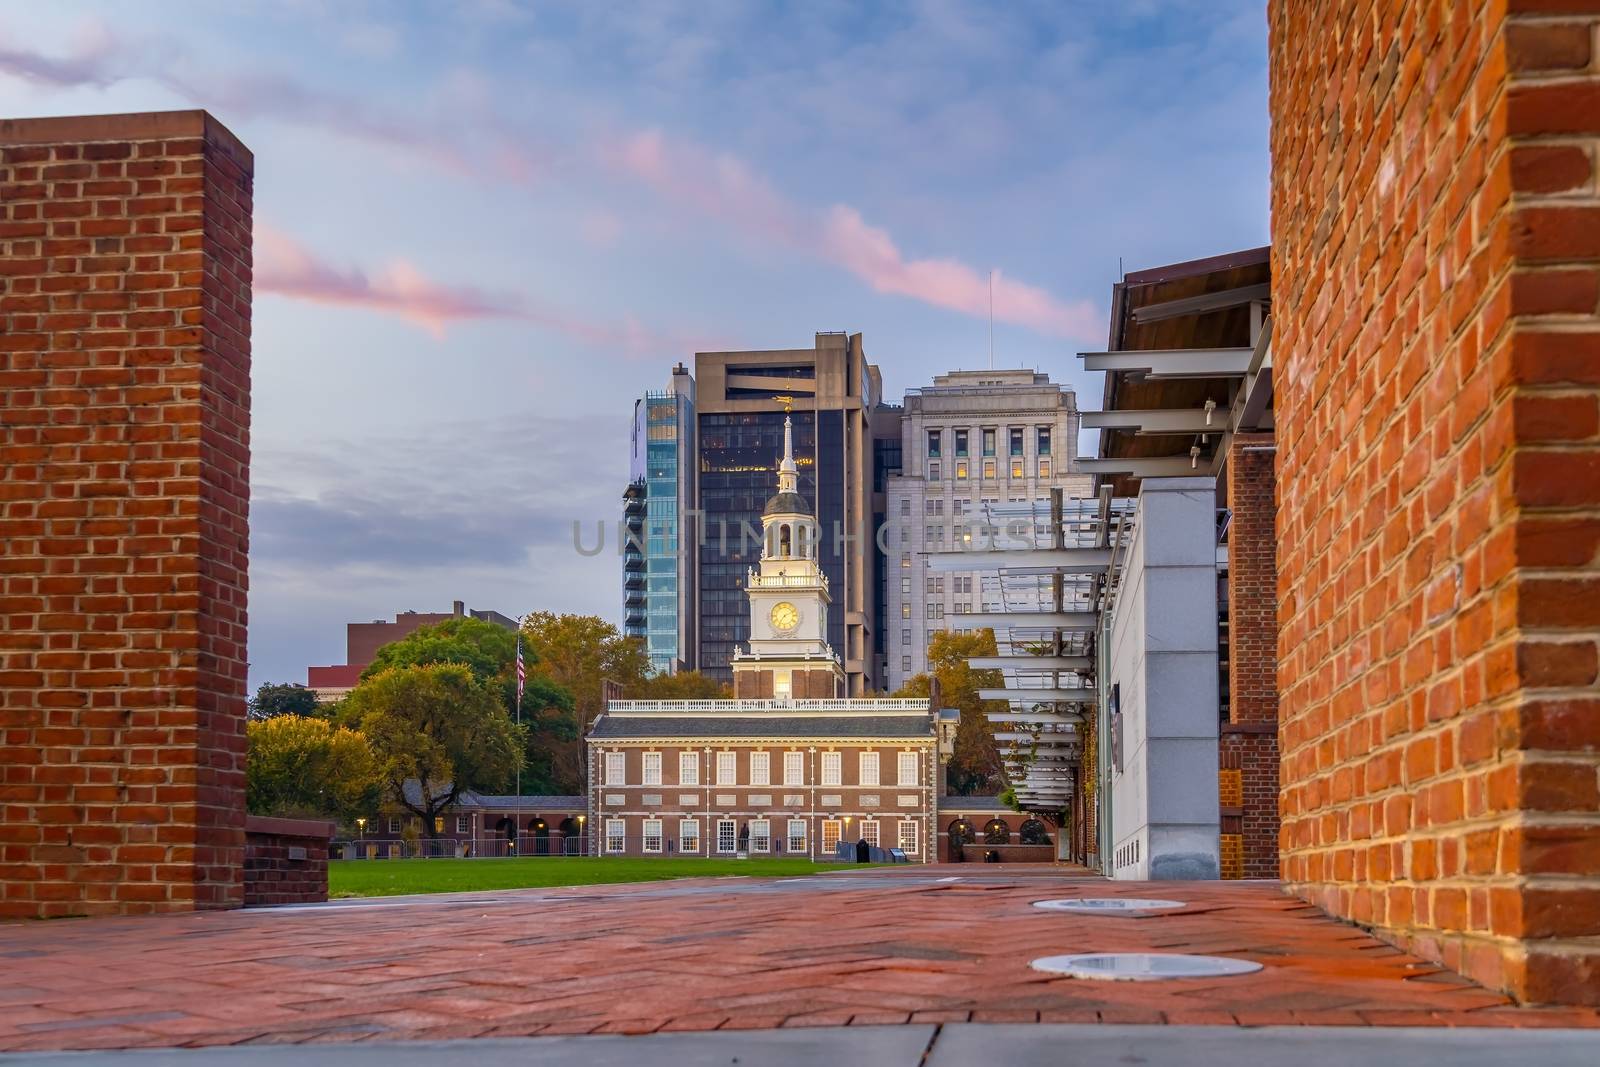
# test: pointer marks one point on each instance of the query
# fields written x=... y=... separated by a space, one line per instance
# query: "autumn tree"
x=489 y=652
x=273 y=699
x=437 y=726
x=685 y=685
x=581 y=653
x=300 y=766
x=975 y=767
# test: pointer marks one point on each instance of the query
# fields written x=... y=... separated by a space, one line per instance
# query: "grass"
x=387 y=878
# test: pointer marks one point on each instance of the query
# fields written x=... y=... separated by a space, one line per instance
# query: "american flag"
x=522 y=678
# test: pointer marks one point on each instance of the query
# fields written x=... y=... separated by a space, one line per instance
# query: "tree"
x=274 y=699
x=489 y=652
x=581 y=653
x=685 y=685
x=975 y=768
x=439 y=727
x=299 y=766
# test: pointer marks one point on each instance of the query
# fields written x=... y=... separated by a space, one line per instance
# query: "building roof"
x=472 y=799
x=622 y=727
x=786 y=504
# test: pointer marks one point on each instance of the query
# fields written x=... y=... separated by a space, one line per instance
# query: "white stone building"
x=971 y=440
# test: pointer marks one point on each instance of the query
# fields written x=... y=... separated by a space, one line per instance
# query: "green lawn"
x=387 y=878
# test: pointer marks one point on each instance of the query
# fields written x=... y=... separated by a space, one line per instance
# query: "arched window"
x=996 y=832
x=961 y=833
x=784 y=540
x=1034 y=833
x=804 y=541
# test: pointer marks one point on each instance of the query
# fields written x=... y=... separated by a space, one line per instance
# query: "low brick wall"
x=1009 y=853
x=285 y=861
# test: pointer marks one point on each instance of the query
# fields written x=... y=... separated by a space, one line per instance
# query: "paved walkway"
x=918 y=945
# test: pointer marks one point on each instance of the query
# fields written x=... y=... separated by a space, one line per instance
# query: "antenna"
x=991 y=318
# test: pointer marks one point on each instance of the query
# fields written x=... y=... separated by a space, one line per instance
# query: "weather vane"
x=786 y=401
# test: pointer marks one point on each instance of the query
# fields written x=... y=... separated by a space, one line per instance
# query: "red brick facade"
x=285 y=861
x=1436 y=275
x=124 y=487
x=1249 y=742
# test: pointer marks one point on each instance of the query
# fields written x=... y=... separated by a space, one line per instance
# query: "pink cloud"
x=288 y=268
x=871 y=255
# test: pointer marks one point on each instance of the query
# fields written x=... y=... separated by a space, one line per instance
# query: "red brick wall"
x=285 y=861
x=1249 y=739
x=1436 y=273
x=124 y=489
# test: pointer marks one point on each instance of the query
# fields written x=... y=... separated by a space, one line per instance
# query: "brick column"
x=1249 y=739
x=1436 y=279
x=124 y=497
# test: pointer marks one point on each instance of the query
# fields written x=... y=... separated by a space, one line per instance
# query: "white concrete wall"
x=1163 y=657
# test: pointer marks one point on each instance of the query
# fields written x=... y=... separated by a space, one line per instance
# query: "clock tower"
x=789 y=656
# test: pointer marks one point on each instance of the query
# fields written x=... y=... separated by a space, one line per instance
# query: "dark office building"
x=832 y=391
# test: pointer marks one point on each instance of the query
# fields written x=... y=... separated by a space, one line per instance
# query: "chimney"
x=460 y=608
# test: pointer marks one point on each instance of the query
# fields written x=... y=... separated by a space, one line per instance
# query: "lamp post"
x=361 y=825
x=581 y=836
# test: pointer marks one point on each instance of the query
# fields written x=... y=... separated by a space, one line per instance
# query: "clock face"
x=785 y=616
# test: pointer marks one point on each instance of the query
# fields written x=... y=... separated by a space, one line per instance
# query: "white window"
x=652 y=768
x=616 y=835
x=652 y=835
x=869 y=768
x=689 y=835
x=869 y=832
x=797 y=836
x=830 y=767
x=394 y=824
x=830 y=836
x=908 y=768
x=908 y=836
x=760 y=835
x=794 y=768
x=688 y=768
x=463 y=824
x=727 y=768
x=760 y=768
x=727 y=835
x=616 y=768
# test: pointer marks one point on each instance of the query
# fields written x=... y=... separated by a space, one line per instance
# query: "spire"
x=788 y=473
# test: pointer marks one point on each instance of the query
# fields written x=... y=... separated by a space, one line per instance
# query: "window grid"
x=652 y=768
x=831 y=762
x=652 y=835
x=760 y=835
x=908 y=836
x=689 y=835
x=688 y=768
x=794 y=768
x=796 y=835
x=760 y=768
x=908 y=768
x=616 y=835
x=616 y=768
x=869 y=768
x=830 y=836
x=727 y=835
x=727 y=768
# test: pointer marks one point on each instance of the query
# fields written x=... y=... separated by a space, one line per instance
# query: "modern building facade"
x=741 y=402
x=363 y=639
x=658 y=534
x=971 y=440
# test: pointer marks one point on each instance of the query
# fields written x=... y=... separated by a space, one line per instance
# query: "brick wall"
x=1436 y=274
x=285 y=861
x=1249 y=740
x=124 y=489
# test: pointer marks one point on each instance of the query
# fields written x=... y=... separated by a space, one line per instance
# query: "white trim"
x=871 y=838
x=727 y=767
x=682 y=837
x=849 y=705
x=760 y=835
x=900 y=767
x=620 y=837
x=865 y=760
x=733 y=836
x=790 y=836
x=836 y=828
x=832 y=767
x=645 y=768
x=901 y=834
x=688 y=762
x=616 y=768
x=761 y=768
x=794 y=762
x=659 y=835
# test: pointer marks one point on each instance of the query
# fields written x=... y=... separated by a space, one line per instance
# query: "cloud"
x=870 y=253
x=288 y=268
x=714 y=183
x=721 y=185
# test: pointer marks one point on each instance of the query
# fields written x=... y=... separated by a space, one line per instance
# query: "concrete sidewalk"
x=950 y=1045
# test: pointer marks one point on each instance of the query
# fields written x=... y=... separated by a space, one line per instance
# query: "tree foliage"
x=299 y=766
x=685 y=685
x=438 y=726
x=489 y=652
x=286 y=698
x=580 y=653
x=975 y=768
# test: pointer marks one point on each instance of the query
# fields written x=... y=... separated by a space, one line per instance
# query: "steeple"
x=787 y=500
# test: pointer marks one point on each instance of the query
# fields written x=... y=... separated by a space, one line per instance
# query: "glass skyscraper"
x=657 y=574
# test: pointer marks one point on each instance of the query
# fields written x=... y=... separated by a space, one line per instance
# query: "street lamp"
x=361 y=825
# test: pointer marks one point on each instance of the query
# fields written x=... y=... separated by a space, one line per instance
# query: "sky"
x=483 y=228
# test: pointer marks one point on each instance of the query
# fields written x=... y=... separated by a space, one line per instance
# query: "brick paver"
x=841 y=949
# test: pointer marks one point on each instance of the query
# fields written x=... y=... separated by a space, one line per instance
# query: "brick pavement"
x=892 y=946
